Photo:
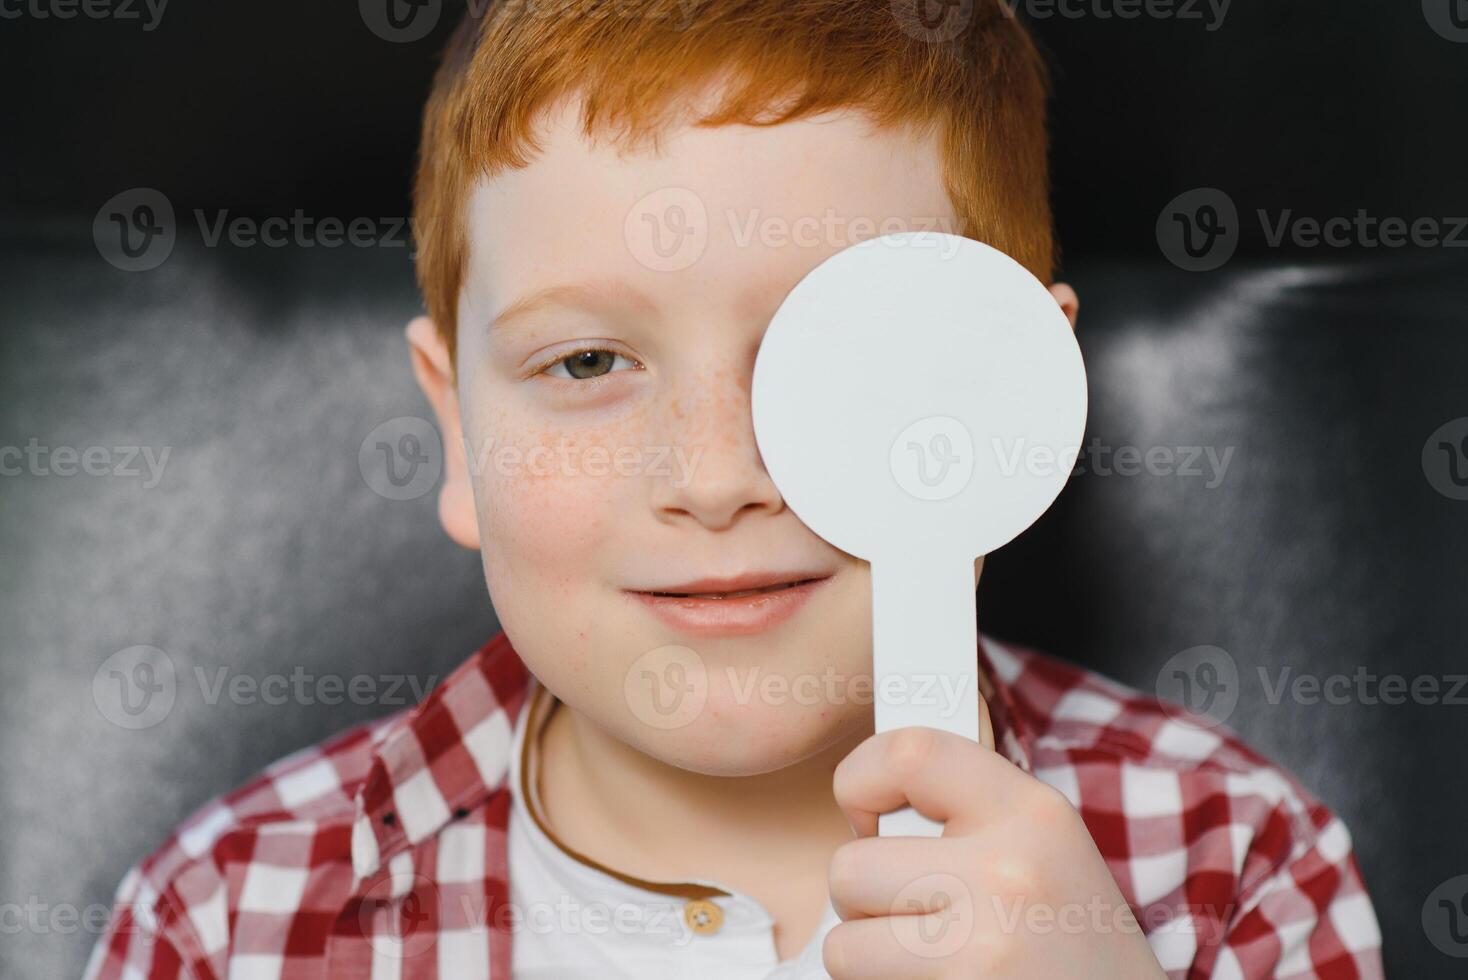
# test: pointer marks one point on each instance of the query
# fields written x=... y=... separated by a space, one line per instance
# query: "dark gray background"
x=264 y=551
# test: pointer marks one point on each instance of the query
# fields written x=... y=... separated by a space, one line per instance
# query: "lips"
x=735 y=588
x=734 y=606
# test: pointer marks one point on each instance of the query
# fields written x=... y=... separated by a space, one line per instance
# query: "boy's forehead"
x=711 y=209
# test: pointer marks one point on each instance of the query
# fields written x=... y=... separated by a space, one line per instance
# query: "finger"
x=905 y=947
x=874 y=876
x=944 y=776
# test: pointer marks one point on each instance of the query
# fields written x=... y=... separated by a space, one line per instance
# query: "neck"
x=652 y=820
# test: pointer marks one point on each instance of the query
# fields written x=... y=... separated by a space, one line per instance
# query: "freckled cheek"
x=553 y=501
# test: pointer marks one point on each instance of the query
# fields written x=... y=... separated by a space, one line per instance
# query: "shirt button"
x=703 y=917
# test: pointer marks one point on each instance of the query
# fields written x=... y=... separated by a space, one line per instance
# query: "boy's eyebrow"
x=594 y=295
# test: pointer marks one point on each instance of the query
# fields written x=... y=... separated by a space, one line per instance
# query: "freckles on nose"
x=717 y=407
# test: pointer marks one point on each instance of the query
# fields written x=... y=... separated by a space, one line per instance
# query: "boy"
x=611 y=205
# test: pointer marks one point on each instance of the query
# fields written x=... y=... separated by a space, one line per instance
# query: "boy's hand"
x=1015 y=887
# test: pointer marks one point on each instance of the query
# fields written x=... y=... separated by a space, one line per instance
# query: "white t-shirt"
x=575 y=920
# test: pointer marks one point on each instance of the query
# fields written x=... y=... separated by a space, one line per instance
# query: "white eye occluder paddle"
x=919 y=400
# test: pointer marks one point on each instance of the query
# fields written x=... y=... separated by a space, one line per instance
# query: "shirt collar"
x=441 y=759
x=547 y=869
x=449 y=753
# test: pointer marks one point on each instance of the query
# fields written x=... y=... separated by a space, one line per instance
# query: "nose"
x=716 y=476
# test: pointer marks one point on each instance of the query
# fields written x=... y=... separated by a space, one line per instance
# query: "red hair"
x=633 y=64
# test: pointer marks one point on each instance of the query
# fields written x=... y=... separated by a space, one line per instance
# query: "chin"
x=729 y=738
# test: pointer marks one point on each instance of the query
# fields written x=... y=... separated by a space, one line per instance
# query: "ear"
x=1069 y=302
x=435 y=373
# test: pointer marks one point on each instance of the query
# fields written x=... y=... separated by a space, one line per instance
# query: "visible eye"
x=587 y=364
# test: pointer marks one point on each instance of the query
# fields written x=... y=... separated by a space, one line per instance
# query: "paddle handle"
x=925 y=639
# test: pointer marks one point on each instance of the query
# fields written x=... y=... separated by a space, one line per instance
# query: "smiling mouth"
x=741 y=605
x=740 y=594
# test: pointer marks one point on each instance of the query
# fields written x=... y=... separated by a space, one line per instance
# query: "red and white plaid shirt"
x=381 y=852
